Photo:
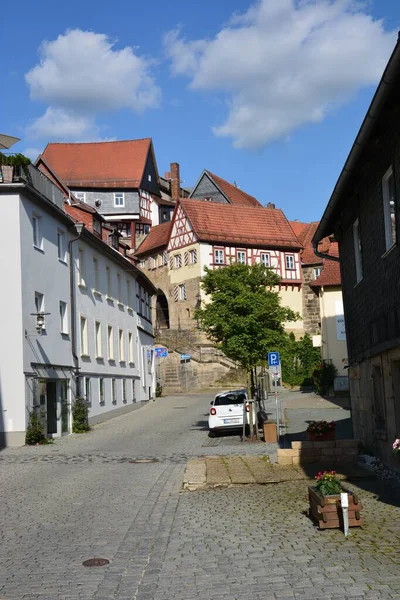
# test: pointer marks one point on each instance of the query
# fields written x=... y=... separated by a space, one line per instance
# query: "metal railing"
x=33 y=177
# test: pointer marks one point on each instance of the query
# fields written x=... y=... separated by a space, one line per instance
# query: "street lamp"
x=40 y=320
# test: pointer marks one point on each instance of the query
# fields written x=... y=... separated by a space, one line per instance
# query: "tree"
x=244 y=315
x=299 y=359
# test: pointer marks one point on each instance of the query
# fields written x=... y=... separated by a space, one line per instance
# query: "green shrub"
x=327 y=483
x=158 y=390
x=299 y=358
x=35 y=430
x=324 y=376
x=80 y=416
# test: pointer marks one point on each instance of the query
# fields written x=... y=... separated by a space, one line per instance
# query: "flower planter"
x=328 y=436
x=7 y=173
x=327 y=510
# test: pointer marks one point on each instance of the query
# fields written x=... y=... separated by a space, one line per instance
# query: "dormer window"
x=80 y=196
x=119 y=199
x=97 y=226
x=208 y=199
x=114 y=241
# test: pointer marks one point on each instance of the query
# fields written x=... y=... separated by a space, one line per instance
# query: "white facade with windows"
x=60 y=302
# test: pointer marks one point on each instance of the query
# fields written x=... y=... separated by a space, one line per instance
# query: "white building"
x=75 y=316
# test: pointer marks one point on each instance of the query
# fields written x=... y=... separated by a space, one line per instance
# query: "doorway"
x=54 y=397
x=162 y=312
x=51 y=407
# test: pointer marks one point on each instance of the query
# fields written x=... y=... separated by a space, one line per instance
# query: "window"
x=61 y=245
x=124 y=391
x=193 y=257
x=289 y=258
x=39 y=302
x=119 y=199
x=389 y=208
x=357 y=250
x=101 y=391
x=186 y=259
x=119 y=288
x=164 y=257
x=87 y=391
x=82 y=268
x=80 y=196
x=178 y=261
x=149 y=263
x=265 y=259
x=219 y=257
x=128 y=293
x=133 y=391
x=109 y=286
x=182 y=291
x=114 y=391
x=110 y=343
x=99 y=345
x=148 y=177
x=96 y=276
x=241 y=257
x=63 y=317
x=176 y=293
x=171 y=262
x=130 y=348
x=97 y=226
x=37 y=233
x=121 y=346
x=317 y=272
x=84 y=337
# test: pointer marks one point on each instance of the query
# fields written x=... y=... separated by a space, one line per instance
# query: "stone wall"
x=311 y=307
x=317 y=452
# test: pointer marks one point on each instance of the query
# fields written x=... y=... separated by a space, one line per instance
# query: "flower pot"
x=327 y=510
x=7 y=173
x=328 y=436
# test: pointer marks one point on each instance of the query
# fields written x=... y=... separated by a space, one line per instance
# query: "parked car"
x=226 y=412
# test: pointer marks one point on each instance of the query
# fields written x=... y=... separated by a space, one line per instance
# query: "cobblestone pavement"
x=82 y=498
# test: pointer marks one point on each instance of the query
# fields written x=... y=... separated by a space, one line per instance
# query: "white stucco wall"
x=332 y=328
x=12 y=382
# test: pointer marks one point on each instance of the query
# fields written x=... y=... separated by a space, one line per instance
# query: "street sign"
x=185 y=357
x=161 y=352
x=276 y=372
x=273 y=359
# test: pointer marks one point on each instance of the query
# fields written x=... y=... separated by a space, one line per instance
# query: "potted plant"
x=321 y=431
x=396 y=449
x=325 y=502
x=8 y=164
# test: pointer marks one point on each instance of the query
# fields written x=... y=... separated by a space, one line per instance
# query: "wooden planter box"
x=270 y=433
x=329 y=436
x=327 y=510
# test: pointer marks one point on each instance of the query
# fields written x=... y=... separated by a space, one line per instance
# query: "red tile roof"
x=227 y=224
x=233 y=193
x=99 y=164
x=330 y=275
x=298 y=227
x=157 y=238
x=308 y=256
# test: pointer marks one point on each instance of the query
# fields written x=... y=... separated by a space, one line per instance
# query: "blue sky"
x=270 y=94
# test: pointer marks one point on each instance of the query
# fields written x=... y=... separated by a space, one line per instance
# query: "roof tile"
x=233 y=193
x=330 y=275
x=157 y=238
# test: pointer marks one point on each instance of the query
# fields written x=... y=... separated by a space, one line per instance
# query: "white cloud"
x=283 y=64
x=32 y=153
x=81 y=74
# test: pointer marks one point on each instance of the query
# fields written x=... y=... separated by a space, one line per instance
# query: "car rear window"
x=229 y=399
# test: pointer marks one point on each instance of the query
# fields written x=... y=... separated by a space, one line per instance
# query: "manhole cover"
x=180 y=406
x=96 y=562
x=144 y=460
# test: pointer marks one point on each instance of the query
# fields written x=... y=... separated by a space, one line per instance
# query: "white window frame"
x=178 y=261
x=109 y=282
x=98 y=339
x=101 y=391
x=121 y=345
x=119 y=288
x=219 y=257
x=124 y=398
x=84 y=336
x=63 y=318
x=110 y=342
x=121 y=199
x=241 y=257
x=114 y=391
x=37 y=232
x=131 y=349
x=128 y=293
x=39 y=302
x=182 y=291
x=389 y=242
x=61 y=246
x=357 y=250
x=82 y=267
x=88 y=395
x=317 y=272
x=266 y=263
x=193 y=256
x=289 y=259
x=80 y=196
x=96 y=274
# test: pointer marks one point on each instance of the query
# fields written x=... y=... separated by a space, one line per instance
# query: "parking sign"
x=273 y=359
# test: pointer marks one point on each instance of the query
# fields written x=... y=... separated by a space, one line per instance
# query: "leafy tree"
x=80 y=414
x=244 y=315
x=299 y=359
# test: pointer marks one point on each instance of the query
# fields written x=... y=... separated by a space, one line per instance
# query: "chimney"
x=175 y=182
x=271 y=205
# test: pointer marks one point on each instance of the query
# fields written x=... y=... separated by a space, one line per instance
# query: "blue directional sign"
x=161 y=352
x=273 y=359
x=185 y=357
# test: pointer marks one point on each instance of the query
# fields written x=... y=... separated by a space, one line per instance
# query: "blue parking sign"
x=273 y=359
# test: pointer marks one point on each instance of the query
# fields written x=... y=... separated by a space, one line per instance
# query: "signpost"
x=274 y=363
x=185 y=358
x=161 y=352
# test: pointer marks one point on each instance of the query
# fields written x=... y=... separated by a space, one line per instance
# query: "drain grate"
x=96 y=562
x=144 y=460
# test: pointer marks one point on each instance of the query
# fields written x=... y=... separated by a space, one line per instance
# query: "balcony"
x=31 y=176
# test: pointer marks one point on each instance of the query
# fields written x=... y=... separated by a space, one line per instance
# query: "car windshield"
x=229 y=399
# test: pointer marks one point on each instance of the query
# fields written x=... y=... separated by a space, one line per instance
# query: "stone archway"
x=162 y=311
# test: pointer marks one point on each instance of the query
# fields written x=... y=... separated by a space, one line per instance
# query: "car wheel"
x=212 y=433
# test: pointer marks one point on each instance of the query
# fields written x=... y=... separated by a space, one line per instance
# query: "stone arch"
x=162 y=311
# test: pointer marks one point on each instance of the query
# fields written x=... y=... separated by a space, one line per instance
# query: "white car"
x=227 y=409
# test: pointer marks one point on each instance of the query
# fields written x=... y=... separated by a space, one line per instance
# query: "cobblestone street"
x=82 y=498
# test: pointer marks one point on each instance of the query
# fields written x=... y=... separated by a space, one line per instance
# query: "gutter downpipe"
x=387 y=81
x=78 y=228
